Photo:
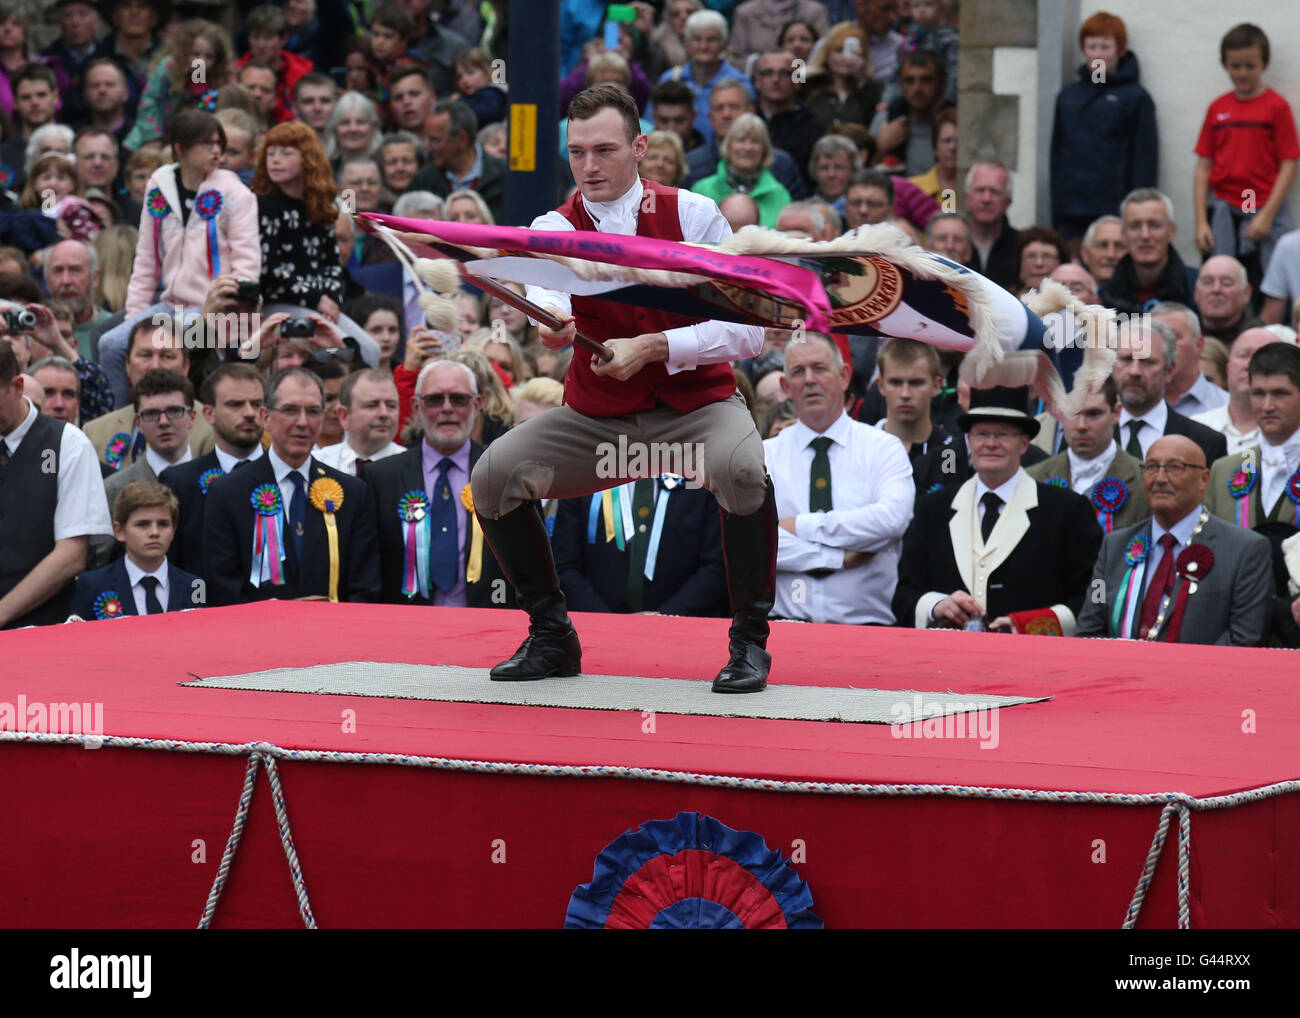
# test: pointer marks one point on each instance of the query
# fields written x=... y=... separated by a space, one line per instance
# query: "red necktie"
x=1161 y=582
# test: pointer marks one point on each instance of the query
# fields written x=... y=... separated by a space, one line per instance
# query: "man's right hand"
x=957 y=609
x=553 y=340
x=220 y=297
x=421 y=345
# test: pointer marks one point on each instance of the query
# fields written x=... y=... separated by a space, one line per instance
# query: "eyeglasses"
x=1000 y=437
x=174 y=413
x=314 y=413
x=1174 y=468
x=435 y=400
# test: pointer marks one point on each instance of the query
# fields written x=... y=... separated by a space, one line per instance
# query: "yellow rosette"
x=474 y=570
x=326 y=494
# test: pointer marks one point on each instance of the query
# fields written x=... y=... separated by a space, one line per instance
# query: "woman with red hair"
x=301 y=274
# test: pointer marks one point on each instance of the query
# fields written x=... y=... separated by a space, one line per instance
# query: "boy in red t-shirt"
x=267 y=34
x=1248 y=151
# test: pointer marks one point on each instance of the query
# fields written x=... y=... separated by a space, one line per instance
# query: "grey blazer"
x=1231 y=603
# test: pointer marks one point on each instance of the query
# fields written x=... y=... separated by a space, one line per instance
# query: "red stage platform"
x=133 y=837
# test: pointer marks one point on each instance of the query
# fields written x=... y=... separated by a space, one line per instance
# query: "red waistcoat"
x=606 y=397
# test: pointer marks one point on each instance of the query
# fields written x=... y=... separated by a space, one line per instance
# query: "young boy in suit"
x=142 y=582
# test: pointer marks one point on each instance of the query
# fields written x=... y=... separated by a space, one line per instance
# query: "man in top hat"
x=1000 y=551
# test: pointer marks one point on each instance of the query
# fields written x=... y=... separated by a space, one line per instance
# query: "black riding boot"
x=523 y=551
x=749 y=544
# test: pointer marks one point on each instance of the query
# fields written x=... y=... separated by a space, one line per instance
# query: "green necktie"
x=1134 y=447
x=643 y=504
x=819 y=491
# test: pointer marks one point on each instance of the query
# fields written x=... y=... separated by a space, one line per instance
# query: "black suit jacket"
x=1213 y=444
x=1050 y=564
x=228 y=541
x=388 y=480
x=183 y=480
x=181 y=590
x=690 y=572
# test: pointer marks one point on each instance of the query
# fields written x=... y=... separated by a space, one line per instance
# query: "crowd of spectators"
x=169 y=165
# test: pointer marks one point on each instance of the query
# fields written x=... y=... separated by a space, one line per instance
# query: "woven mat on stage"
x=613 y=692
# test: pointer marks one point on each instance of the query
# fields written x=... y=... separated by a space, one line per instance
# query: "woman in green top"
x=743 y=169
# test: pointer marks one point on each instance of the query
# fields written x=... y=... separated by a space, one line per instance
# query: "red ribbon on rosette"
x=1192 y=565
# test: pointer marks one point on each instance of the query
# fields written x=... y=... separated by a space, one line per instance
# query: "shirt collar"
x=627 y=205
x=157 y=464
x=1288 y=450
x=1157 y=417
x=283 y=470
x=134 y=572
x=1182 y=530
x=432 y=457
x=838 y=432
x=1003 y=491
x=15 y=438
x=228 y=461
x=475 y=171
x=1096 y=465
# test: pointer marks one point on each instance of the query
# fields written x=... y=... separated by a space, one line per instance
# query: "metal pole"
x=533 y=72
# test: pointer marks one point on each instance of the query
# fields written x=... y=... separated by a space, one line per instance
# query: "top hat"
x=999 y=404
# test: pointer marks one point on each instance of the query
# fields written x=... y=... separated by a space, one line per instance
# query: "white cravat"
x=619 y=215
x=1085 y=473
x=1279 y=462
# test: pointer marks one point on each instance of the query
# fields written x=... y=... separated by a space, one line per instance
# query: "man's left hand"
x=631 y=355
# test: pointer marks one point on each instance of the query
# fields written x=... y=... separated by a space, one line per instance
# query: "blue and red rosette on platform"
x=692 y=872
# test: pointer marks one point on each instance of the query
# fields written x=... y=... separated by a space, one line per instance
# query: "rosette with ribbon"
x=615 y=506
x=413 y=511
x=155 y=202
x=268 y=535
x=1292 y=490
x=208 y=476
x=108 y=606
x=1240 y=486
x=474 y=569
x=1058 y=482
x=691 y=872
x=116 y=449
x=1128 y=601
x=208 y=206
x=1108 y=497
x=1191 y=566
x=326 y=494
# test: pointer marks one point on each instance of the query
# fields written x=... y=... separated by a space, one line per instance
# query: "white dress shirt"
x=1003 y=491
x=135 y=574
x=343 y=457
x=1203 y=396
x=1277 y=464
x=282 y=471
x=157 y=464
x=82 y=507
x=1220 y=420
x=710 y=342
x=1085 y=473
x=228 y=462
x=872 y=494
x=1154 y=422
